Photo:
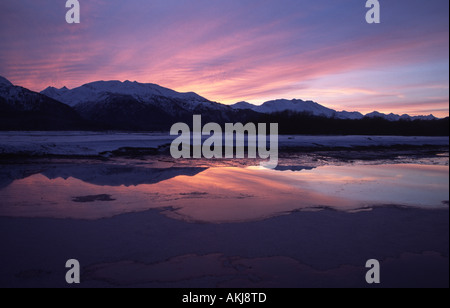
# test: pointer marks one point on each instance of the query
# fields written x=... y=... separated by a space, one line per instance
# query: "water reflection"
x=218 y=194
x=105 y=174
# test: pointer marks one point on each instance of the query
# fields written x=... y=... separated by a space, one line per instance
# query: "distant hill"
x=310 y=107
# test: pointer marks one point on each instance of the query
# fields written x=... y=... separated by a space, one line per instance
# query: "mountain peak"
x=395 y=117
x=295 y=105
x=243 y=106
x=96 y=91
x=56 y=89
x=5 y=82
x=349 y=115
x=313 y=108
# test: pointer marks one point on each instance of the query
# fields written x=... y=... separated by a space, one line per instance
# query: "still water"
x=215 y=194
x=205 y=224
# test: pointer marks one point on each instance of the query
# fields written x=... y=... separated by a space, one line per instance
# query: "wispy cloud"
x=230 y=50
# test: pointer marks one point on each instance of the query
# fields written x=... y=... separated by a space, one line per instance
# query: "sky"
x=239 y=50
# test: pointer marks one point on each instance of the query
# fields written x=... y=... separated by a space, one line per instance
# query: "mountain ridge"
x=95 y=90
x=133 y=106
x=145 y=92
x=21 y=108
x=300 y=106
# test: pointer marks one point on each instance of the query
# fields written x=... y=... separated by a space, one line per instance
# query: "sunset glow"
x=239 y=50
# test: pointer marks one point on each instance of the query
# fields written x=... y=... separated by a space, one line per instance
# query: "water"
x=156 y=222
x=218 y=194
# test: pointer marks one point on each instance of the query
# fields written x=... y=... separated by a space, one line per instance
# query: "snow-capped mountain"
x=21 y=108
x=244 y=106
x=20 y=99
x=142 y=92
x=300 y=106
x=143 y=106
x=389 y=117
x=395 y=117
x=139 y=106
x=345 y=115
x=97 y=96
x=287 y=105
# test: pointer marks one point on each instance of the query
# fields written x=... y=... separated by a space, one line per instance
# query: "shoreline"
x=105 y=145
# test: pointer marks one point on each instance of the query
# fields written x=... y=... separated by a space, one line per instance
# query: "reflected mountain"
x=10 y=173
x=97 y=174
x=96 y=190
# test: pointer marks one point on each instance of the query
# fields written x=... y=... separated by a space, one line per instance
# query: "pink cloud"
x=229 y=52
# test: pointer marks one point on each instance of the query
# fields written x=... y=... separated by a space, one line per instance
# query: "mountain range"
x=316 y=109
x=142 y=106
x=86 y=96
x=108 y=105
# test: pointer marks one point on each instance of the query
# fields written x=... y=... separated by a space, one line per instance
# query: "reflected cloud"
x=222 y=194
